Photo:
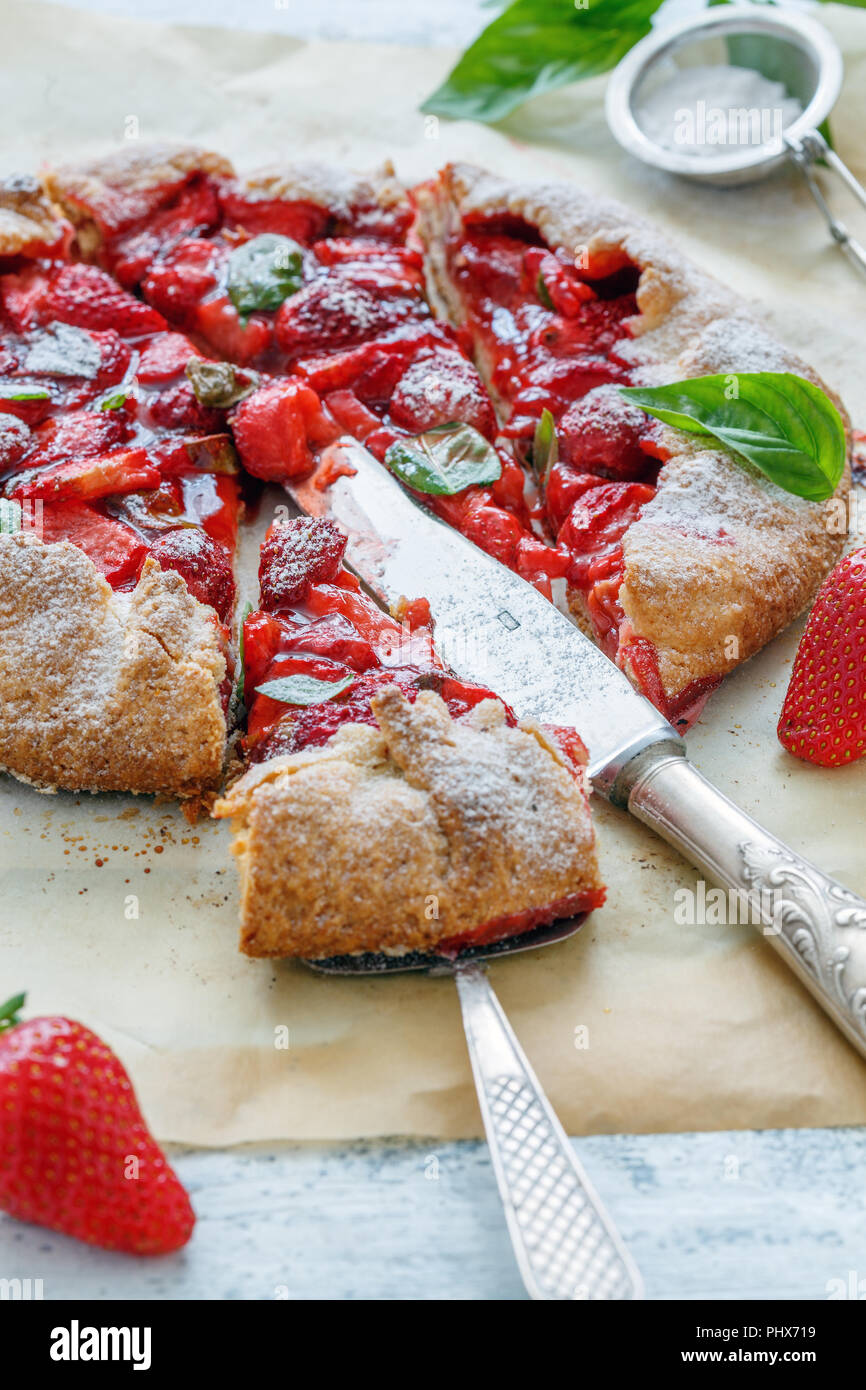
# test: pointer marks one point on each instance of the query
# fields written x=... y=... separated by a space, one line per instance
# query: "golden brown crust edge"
x=29 y=222
x=398 y=837
x=706 y=603
x=103 y=691
x=82 y=190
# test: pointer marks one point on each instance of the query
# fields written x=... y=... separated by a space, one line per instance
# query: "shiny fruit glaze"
x=318 y=623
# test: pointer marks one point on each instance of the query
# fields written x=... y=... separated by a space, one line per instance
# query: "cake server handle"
x=565 y=1243
x=815 y=924
x=805 y=151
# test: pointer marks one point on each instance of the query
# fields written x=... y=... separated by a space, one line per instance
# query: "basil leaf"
x=10 y=516
x=219 y=384
x=26 y=393
x=62 y=350
x=445 y=460
x=545 y=447
x=265 y=271
x=534 y=46
x=543 y=292
x=115 y=401
x=784 y=425
x=303 y=690
x=238 y=694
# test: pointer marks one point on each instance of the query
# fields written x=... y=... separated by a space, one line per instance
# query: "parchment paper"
x=115 y=912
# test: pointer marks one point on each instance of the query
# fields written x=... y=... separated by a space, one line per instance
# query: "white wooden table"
x=779 y=1214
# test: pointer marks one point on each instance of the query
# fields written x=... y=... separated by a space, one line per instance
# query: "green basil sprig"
x=9 y=392
x=545 y=446
x=444 y=460
x=263 y=272
x=534 y=46
x=784 y=425
x=303 y=690
x=537 y=45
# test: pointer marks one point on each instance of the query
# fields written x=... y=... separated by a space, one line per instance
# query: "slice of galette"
x=119 y=500
x=680 y=560
x=387 y=806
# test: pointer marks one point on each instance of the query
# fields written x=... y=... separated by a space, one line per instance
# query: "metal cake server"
x=566 y=1245
x=493 y=627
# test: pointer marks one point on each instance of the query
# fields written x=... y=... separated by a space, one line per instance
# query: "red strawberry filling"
x=315 y=623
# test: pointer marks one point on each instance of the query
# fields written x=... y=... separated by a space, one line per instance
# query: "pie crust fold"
x=404 y=836
x=721 y=559
x=105 y=691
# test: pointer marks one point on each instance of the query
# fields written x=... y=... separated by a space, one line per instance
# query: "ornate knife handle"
x=815 y=924
x=565 y=1243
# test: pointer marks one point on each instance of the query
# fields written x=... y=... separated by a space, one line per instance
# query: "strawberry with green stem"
x=75 y=1153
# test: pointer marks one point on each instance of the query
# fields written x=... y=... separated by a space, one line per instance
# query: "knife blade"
x=494 y=627
x=491 y=626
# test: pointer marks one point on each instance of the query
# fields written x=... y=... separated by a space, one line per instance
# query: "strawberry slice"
x=78 y=294
x=335 y=312
x=81 y=434
x=218 y=321
x=274 y=427
x=373 y=369
x=598 y=521
x=176 y=284
x=557 y=285
x=165 y=357
x=438 y=387
x=823 y=719
x=296 y=554
x=126 y=471
x=195 y=210
x=603 y=433
x=338 y=250
x=202 y=562
x=114 y=548
x=333 y=637
x=564 y=486
x=297 y=219
x=178 y=408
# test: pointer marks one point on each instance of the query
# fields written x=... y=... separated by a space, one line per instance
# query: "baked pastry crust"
x=705 y=606
x=105 y=691
x=326 y=185
x=355 y=846
x=29 y=223
x=102 y=197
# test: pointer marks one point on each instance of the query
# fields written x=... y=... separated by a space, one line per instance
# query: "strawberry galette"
x=166 y=324
x=368 y=764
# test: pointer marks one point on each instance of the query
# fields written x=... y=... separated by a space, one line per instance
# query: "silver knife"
x=495 y=628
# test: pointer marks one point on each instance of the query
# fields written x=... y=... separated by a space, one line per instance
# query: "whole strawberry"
x=75 y=1153
x=823 y=718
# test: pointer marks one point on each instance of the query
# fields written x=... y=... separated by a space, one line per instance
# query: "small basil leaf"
x=239 y=681
x=265 y=271
x=303 y=690
x=543 y=292
x=24 y=393
x=784 y=425
x=219 y=384
x=545 y=447
x=10 y=516
x=114 y=401
x=445 y=460
x=62 y=350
